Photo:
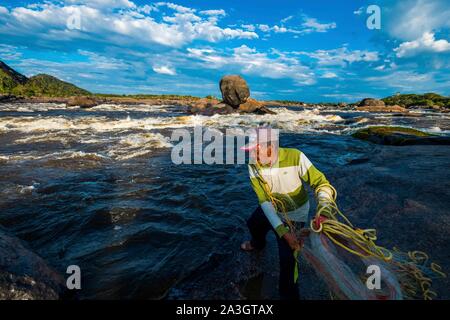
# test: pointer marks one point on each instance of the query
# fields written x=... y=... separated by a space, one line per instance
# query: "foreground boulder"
x=235 y=90
x=83 y=102
x=23 y=274
x=399 y=136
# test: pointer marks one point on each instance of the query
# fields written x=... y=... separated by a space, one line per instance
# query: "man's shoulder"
x=290 y=151
x=290 y=155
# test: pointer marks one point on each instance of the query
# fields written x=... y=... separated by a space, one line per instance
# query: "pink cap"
x=262 y=135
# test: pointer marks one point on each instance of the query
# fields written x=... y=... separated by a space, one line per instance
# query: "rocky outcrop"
x=5 y=98
x=251 y=105
x=254 y=106
x=235 y=90
x=399 y=136
x=23 y=274
x=370 y=102
x=83 y=102
x=375 y=105
x=209 y=107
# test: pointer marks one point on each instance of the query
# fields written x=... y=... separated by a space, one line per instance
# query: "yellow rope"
x=364 y=240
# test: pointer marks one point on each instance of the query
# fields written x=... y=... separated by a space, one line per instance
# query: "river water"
x=97 y=188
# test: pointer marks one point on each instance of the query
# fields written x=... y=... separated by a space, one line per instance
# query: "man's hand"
x=292 y=241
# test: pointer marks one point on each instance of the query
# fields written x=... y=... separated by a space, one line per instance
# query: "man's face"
x=266 y=154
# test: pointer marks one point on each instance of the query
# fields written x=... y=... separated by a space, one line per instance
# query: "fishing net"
x=342 y=255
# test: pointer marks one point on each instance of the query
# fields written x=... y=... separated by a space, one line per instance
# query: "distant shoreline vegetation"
x=425 y=100
x=12 y=83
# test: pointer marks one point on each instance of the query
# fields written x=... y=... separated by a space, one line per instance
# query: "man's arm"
x=316 y=179
x=266 y=205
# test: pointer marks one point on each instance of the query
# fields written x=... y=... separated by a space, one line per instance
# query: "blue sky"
x=296 y=50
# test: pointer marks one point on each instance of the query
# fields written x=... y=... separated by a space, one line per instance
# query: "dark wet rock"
x=23 y=274
x=235 y=90
x=358 y=161
x=249 y=275
x=399 y=136
x=5 y=98
x=382 y=109
x=264 y=110
x=399 y=194
x=83 y=102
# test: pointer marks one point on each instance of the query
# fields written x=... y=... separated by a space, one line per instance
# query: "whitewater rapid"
x=121 y=132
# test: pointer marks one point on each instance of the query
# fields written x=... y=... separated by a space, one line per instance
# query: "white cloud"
x=48 y=22
x=264 y=27
x=103 y=4
x=278 y=29
x=409 y=19
x=426 y=43
x=249 y=61
x=312 y=25
x=308 y=25
x=329 y=75
x=219 y=12
x=176 y=7
x=3 y=10
x=341 y=56
x=102 y=62
x=286 y=19
x=359 y=12
x=248 y=27
x=164 y=70
x=8 y=52
x=408 y=81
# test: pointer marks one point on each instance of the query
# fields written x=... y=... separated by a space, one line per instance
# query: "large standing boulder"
x=235 y=99
x=235 y=90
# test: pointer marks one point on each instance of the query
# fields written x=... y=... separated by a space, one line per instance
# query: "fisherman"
x=277 y=176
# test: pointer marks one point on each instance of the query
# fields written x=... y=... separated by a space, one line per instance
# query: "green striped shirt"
x=285 y=181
